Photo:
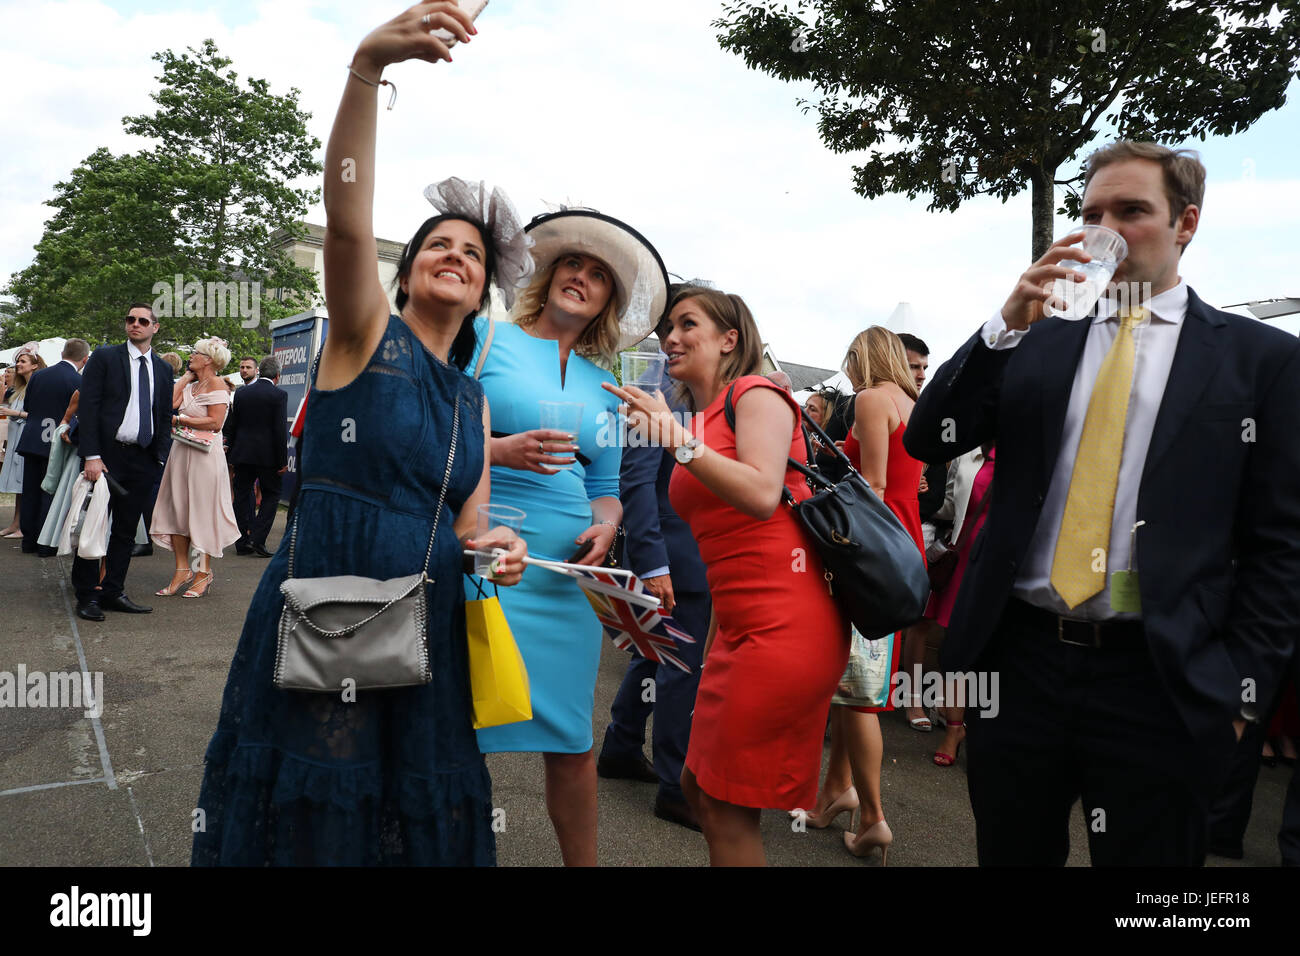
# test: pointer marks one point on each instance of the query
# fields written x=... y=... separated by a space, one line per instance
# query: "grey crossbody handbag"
x=353 y=628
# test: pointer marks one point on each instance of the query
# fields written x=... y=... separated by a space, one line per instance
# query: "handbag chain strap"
x=437 y=515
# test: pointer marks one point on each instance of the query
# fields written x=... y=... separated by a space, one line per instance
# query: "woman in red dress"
x=885 y=391
x=778 y=643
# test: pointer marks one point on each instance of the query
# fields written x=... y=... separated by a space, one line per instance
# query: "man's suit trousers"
x=1080 y=723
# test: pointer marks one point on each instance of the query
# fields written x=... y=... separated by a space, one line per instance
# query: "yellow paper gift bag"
x=497 y=676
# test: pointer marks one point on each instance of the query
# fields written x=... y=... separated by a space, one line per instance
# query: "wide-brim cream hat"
x=640 y=279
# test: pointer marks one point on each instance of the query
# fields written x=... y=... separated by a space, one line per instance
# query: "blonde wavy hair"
x=599 y=340
x=877 y=355
x=215 y=349
x=21 y=381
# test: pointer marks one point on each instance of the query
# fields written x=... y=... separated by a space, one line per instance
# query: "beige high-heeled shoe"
x=846 y=802
x=169 y=591
x=877 y=835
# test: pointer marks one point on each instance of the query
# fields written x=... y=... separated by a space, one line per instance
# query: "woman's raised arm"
x=358 y=307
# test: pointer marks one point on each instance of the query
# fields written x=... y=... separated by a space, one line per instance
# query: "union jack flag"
x=632 y=618
x=650 y=631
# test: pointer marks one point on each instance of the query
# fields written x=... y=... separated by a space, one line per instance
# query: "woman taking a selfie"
x=388 y=776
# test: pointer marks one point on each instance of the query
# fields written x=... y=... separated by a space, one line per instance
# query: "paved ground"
x=119 y=790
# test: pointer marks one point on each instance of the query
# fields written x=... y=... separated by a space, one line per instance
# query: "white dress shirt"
x=1155 y=342
x=129 y=430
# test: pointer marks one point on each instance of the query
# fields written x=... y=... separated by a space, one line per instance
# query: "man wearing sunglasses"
x=125 y=412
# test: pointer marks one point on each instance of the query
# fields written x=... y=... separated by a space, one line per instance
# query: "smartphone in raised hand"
x=473 y=8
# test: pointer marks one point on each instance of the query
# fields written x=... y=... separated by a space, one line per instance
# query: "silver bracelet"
x=391 y=100
x=608 y=522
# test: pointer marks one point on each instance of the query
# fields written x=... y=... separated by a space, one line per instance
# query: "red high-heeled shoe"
x=942 y=759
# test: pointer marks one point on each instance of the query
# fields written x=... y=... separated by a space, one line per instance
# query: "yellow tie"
x=1079 y=566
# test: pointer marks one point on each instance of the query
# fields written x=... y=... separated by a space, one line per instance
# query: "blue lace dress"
x=296 y=778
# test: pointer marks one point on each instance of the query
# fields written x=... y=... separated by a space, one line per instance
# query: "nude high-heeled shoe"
x=171 y=590
x=846 y=802
x=877 y=835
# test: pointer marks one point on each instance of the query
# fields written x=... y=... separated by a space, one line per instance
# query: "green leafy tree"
x=187 y=224
x=111 y=236
x=958 y=100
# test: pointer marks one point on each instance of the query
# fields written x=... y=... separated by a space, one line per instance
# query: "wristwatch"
x=686 y=452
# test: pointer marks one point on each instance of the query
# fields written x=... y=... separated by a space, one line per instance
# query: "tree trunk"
x=1044 y=209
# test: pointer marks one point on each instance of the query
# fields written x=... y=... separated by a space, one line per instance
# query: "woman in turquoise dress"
x=600 y=287
x=389 y=776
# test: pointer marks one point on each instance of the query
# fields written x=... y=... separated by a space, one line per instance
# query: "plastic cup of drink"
x=1108 y=249
x=494 y=516
x=562 y=416
x=645 y=370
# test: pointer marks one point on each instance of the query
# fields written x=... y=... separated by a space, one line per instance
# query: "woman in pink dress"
x=969 y=480
x=194 y=504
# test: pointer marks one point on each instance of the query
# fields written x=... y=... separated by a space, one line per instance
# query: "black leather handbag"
x=873 y=567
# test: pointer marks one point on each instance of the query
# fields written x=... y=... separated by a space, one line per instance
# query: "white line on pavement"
x=50 y=786
x=107 y=764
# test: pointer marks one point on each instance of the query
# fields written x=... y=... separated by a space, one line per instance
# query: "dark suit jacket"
x=655 y=536
x=257 y=429
x=105 y=390
x=46 y=400
x=1219 y=556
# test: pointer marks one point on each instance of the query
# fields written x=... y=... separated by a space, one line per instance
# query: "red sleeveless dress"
x=902 y=479
x=781 y=645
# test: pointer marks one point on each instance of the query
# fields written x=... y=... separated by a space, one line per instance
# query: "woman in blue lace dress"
x=392 y=776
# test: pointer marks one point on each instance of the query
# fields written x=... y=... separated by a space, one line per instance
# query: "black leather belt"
x=1095 y=634
x=585 y=461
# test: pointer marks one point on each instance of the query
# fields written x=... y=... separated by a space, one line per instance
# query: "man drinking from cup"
x=1134 y=583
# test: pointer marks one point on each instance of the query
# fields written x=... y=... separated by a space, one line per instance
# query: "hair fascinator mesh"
x=455 y=196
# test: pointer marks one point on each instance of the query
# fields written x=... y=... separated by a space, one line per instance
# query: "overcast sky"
x=631 y=108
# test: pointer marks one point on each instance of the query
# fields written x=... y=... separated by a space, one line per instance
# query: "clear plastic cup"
x=562 y=416
x=645 y=370
x=494 y=516
x=1108 y=249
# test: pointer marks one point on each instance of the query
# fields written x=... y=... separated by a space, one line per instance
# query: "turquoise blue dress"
x=556 y=630
x=396 y=777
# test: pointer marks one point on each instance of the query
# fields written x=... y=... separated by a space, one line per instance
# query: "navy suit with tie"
x=48 y=393
x=257 y=433
x=656 y=538
x=106 y=387
x=1140 y=726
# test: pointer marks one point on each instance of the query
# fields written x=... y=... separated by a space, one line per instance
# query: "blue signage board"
x=294 y=345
